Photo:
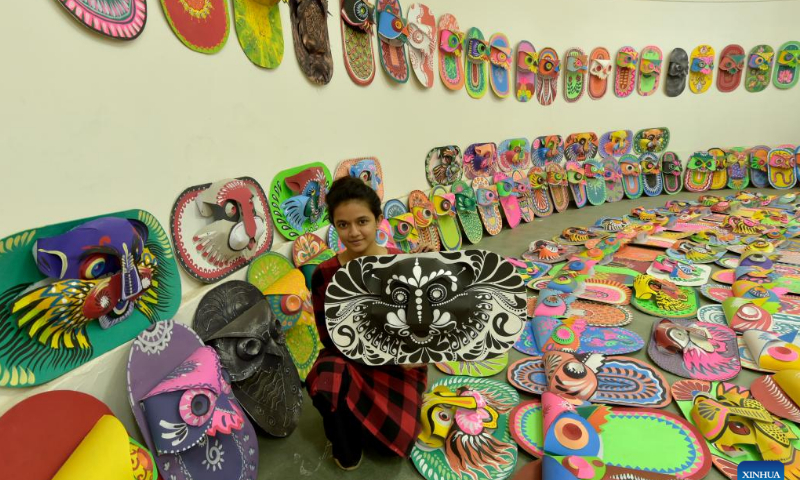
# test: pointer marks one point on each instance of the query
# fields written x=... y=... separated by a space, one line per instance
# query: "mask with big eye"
x=677 y=70
x=627 y=59
x=578 y=64
x=528 y=61
x=573 y=234
x=630 y=168
x=781 y=159
x=704 y=65
x=702 y=162
x=486 y=197
x=548 y=66
x=601 y=68
x=403 y=230
x=650 y=67
x=563 y=283
x=477 y=50
x=675 y=338
x=556 y=178
x=576 y=176
x=444 y=204
x=760 y=61
x=505 y=188
x=732 y=64
x=572 y=375
x=500 y=57
x=672 y=167
x=357 y=13
x=423 y=217
x=788 y=58
x=451 y=42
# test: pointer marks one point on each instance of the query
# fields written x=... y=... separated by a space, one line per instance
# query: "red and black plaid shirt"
x=386 y=400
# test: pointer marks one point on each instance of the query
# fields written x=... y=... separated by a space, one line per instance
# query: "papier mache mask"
x=436 y=307
x=236 y=320
x=219 y=227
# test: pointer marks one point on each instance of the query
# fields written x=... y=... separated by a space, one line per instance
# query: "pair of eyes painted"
x=435 y=293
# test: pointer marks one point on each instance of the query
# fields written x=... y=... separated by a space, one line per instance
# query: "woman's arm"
x=318 y=288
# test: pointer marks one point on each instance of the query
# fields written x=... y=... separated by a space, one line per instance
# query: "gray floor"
x=306 y=454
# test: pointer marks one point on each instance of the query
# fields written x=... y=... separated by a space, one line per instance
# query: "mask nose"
x=418 y=314
x=131 y=281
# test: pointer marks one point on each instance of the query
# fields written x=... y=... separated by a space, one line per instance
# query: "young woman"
x=358 y=403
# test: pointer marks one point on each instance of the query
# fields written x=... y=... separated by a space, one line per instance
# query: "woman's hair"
x=348 y=189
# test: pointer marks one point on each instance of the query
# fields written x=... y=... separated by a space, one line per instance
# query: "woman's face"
x=356 y=226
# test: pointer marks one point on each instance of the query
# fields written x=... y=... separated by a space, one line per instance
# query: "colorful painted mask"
x=666 y=295
x=308 y=203
x=581 y=146
x=391 y=28
x=451 y=42
x=781 y=168
x=601 y=68
x=547 y=149
x=616 y=143
x=671 y=172
x=651 y=140
x=358 y=14
x=677 y=72
x=235 y=319
x=701 y=166
x=408 y=304
x=704 y=65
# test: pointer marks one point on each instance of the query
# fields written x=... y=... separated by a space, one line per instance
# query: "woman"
x=358 y=403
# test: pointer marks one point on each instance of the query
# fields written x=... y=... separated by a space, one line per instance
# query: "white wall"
x=91 y=126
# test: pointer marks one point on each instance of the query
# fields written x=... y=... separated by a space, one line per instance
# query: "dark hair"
x=347 y=189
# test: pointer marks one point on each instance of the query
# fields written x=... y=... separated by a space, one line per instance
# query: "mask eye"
x=231 y=210
x=98 y=265
x=248 y=348
x=291 y=304
x=197 y=405
x=400 y=295
x=437 y=293
x=738 y=428
x=571 y=434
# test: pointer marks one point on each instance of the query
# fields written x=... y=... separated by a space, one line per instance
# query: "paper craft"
x=612 y=175
x=524 y=190
x=528 y=269
x=236 y=320
x=421 y=39
x=404 y=229
x=731 y=68
x=425 y=219
x=577 y=182
x=779 y=393
x=759 y=156
x=175 y=384
x=393 y=34
x=445 y=209
x=297 y=199
x=476 y=58
x=487 y=199
x=672 y=173
x=651 y=174
x=121 y=20
x=700 y=169
x=736 y=427
x=374 y=293
x=358 y=16
x=547 y=76
x=480 y=160
x=759 y=68
x=308 y=251
x=701 y=69
x=631 y=176
x=742 y=315
x=575 y=69
x=593 y=289
x=599 y=69
x=366 y=169
x=677 y=71
x=549 y=252
x=201 y=26
x=651 y=140
x=616 y=143
x=547 y=149
x=625 y=77
x=443 y=165
x=259 y=31
x=581 y=146
x=692 y=349
x=309 y=19
x=75 y=290
x=719 y=177
x=771 y=352
x=83 y=440
x=218 y=228
x=781 y=168
x=465 y=430
x=543 y=334
x=479 y=369
x=595 y=181
x=649 y=70
x=561 y=305
x=467 y=211
x=738 y=162
x=679 y=272
x=576 y=236
x=786 y=68
x=694 y=252
x=500 y=62
x=557 y=181
x=591 y=377
x=600 y=446
x=283 y=286
x=514 y=154
x=451 y=52
x=527 y=68
x=661 y=298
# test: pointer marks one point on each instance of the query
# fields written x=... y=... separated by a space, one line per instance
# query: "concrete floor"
x=306 y=453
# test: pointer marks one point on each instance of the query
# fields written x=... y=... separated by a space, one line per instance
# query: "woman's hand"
x=422 y=248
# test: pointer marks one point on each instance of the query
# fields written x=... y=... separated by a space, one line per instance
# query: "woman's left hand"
x=422 y=248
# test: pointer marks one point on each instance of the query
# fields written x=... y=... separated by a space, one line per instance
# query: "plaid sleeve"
x=318 y=288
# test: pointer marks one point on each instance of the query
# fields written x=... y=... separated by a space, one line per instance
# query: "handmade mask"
x=700 y=166
x=461 y=430
x=548 y=252
x=577 y=235
x=391 y=28
x=308 y=203
x=651 y=140
x=760 y=61
x=443 y=165
x=759 y=68
x=732 y=64
x=704 y=65
x=581 y=146
x=547 y=149
x=367 y=172
x=235 y=319
x=616 y=143
x=466 y=306
x=666 y=295
x=692 y=349
x=478 y=50
x=528 y=61
x=677 y=72
x=358 y=14
x=547 y=76
x=671 y=171
x=451 y=42
x=781 y=168
x=627 y=59
x=480 y=160
x=772 y=352
x=601 y=68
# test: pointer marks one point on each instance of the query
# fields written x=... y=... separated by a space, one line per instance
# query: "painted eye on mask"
x=451 y=42
x=291 y=304
x=442 y=205
x=575 y=176
x=400 y=295
x=197 y=405
x=528 y=61
x=437 y=293
x=548 y=66
x=630 y=168
x=486 y=196
x=477 y=50
x=500 y=57
x=760 y=61
x=98 y=265
x=627 y=60
x=732 y=64
x=788 y=58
